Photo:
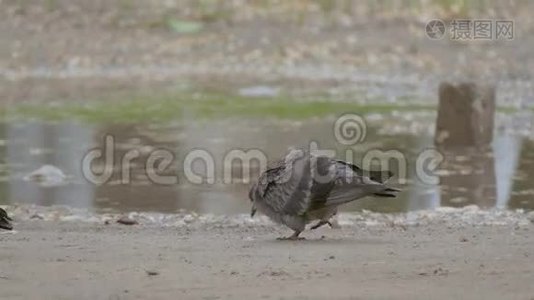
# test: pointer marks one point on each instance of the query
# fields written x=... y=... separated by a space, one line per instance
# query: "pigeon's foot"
x=321 y=223
x=293 y=237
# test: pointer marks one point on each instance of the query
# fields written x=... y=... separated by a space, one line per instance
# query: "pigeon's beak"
x=252 y=211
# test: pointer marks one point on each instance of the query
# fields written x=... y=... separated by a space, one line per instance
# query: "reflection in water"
x=469 y=178
x=423 y=196
x=140 y=194
x=495 y=178
x=508 y=150
x=31 y=145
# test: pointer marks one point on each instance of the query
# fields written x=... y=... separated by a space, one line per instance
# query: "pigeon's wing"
x=287 y=188
x=348 y=184
x=308 y=182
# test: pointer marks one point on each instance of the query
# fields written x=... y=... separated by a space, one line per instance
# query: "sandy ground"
x=71 y=260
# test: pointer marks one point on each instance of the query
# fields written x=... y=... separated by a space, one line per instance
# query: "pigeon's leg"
x=321 y=223
x=293 y=237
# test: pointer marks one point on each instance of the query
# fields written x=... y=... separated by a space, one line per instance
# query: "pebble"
x=125 y=220
x=447 y=216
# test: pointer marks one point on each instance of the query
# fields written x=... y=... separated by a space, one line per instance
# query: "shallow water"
x=496 y=178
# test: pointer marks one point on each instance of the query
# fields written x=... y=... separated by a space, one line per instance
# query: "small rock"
x=125 y=220
x=188 y=219
x=152 y=273
x=464 y=239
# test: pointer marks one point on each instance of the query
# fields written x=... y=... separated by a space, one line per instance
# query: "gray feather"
x=303 y=187
x=286 y=188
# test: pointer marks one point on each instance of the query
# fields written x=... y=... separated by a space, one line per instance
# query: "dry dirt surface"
x=68 y=260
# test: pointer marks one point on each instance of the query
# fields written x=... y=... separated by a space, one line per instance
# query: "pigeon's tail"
x=387 y=193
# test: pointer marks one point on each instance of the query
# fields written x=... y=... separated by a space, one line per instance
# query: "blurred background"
x=265 y=74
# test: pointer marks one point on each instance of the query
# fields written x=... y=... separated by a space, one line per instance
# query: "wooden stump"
x=465 y=115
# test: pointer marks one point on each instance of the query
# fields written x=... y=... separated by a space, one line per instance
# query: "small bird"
x=304 y=187
x=4 y=220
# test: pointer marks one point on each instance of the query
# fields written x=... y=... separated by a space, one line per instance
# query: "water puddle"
x=497 y=178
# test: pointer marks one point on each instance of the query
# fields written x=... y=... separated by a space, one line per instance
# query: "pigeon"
x=304 y=187
x=4 y=220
